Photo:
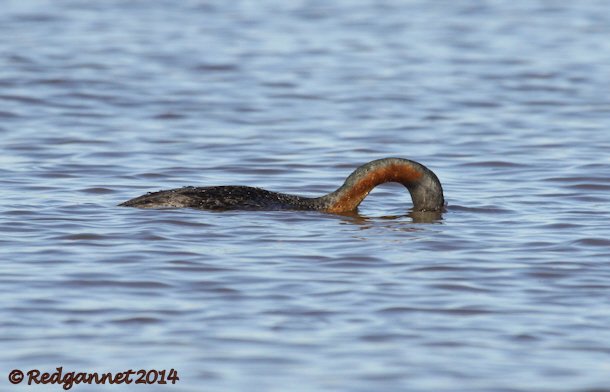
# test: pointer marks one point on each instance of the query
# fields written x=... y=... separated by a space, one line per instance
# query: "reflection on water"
x=355 y=217
x=506 y=102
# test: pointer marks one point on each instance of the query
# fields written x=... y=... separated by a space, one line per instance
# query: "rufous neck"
x=423 y=185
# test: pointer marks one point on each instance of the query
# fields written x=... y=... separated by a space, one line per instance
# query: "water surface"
x=507 y=102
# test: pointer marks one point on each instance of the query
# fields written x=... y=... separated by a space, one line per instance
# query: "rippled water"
x=506 y=101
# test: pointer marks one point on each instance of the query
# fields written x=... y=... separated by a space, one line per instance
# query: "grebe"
x=423 y=185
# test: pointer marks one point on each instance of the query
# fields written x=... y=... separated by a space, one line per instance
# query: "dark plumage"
x=226 y=197
x=423 y=185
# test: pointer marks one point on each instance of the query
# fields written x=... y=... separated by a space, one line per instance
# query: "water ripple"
x=506 y=101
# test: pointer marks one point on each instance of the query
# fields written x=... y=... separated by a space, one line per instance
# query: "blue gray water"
x=506 y=101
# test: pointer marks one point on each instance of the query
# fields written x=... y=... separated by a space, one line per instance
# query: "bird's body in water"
x=423 y=185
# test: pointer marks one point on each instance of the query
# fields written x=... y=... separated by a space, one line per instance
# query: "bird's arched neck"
x=423 y=185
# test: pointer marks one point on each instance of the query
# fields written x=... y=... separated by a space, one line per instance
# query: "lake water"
x=508 y=102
